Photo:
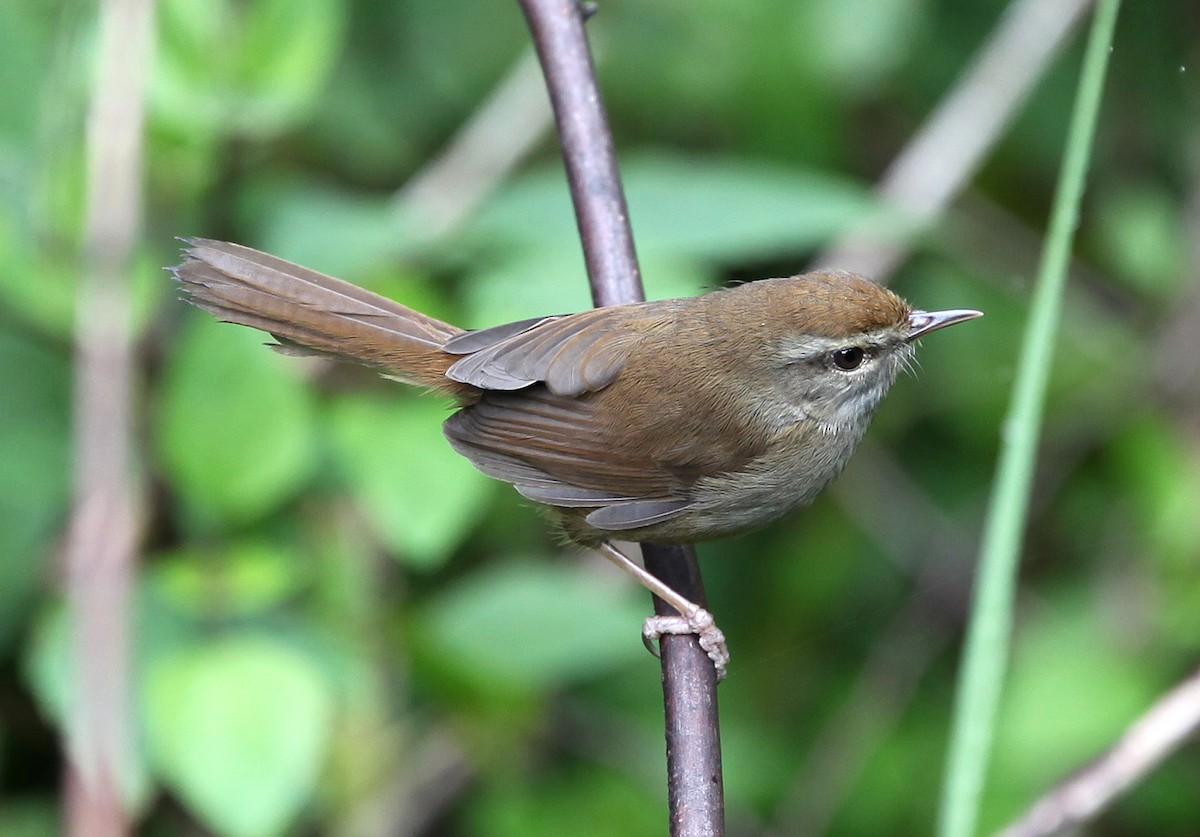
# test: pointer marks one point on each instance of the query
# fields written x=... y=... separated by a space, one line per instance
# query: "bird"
x=671 y=421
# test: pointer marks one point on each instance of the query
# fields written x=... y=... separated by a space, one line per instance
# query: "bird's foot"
x=692 y=618
x=699 y=622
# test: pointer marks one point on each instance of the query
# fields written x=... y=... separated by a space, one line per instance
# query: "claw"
x=700 y=622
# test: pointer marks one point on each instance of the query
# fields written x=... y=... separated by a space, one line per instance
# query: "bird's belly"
x=790 y=474
x=779 y=482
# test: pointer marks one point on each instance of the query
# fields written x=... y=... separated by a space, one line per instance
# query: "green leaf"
x=1063 y=706
x=554 y=281
x=239 y=728
x=25 y=47
x=588 y=801
x=1160 y=469
x=725 y=209
x=34 y=456
x=47 y=663
x=711 y=209
x=49 y=304
x=336 y=231
x=236 y=431
x=243 y=68
x=861 y=41
x=420 y=495
x=31 y=817
x=242 y=579
x=535 y=625
x=1142 y=233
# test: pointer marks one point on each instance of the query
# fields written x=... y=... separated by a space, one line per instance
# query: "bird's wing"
x=555 y=450
x=556 y=440
x=572 y=354
x=555 y=447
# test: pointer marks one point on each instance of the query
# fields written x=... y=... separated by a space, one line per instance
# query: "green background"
x=341 y=628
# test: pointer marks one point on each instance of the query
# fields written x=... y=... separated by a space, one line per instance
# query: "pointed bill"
x=923 y=322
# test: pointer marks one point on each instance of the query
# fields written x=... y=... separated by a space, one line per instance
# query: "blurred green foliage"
x=342 y=628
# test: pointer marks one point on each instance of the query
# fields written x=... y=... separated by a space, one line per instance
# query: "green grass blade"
x=988 y=634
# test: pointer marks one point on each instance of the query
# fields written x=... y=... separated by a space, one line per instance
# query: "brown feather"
x=571 y=354
x=309 y=312
x=701 y=436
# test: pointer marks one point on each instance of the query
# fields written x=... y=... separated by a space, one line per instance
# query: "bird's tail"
x=311 y=313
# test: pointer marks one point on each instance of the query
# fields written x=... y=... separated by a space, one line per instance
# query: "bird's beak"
x=923 y=322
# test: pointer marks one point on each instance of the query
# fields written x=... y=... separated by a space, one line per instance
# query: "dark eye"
x=848 y=358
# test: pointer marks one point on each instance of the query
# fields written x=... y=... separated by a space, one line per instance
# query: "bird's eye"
x=848 y=358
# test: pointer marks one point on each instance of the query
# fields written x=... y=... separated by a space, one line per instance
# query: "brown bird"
x=670 y=422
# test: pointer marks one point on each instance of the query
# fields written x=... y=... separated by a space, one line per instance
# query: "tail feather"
x=311 y=313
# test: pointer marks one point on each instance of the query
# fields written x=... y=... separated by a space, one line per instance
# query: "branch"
x=694 y=777
x=587 y=146
x=945 y=154
x=494 y=141
x=102 y=532
x=1143 y=747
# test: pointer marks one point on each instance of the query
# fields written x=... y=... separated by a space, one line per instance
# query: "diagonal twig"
x=498 y=136
x=1157 y=734
x=933 y=168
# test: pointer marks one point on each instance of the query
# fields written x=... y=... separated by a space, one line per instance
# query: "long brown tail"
x=311 y=313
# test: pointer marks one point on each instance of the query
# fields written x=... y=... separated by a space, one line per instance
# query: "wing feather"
x=623 y=516
x=572 y=354
x=549 y=441
x=555 y=451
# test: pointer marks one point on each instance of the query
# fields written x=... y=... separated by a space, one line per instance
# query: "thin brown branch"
x=587 y=146
x=1145 y=745
x=493 y=142
x=695 y=782
x=102 y=533
x=945 y=154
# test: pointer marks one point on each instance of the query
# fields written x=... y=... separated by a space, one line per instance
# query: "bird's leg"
x=692 y=618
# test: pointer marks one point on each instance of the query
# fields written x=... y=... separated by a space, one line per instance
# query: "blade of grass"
x=988 y=634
